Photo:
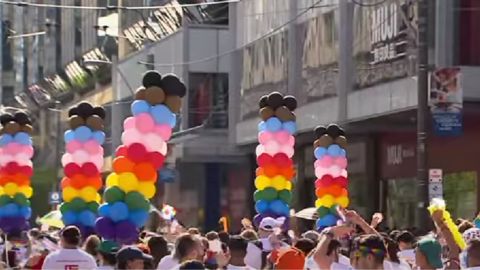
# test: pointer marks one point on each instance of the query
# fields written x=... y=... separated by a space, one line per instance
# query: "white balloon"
x=66 y=158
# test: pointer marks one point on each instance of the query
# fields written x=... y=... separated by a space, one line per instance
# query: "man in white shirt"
x=187 y=247
x=69 y=257
x=238 y=249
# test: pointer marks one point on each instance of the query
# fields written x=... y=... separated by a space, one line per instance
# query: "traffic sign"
x=54 y=198
x=435 y=183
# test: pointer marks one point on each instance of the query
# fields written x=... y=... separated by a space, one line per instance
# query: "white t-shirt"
x=234 y=267
x=105 y=267
x=69 y=259
x=388 y=265
x=168 y=262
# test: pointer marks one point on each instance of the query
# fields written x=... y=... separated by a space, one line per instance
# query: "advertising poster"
x=446 y=101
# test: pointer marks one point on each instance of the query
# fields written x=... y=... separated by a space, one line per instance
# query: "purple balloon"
x=105 y=228
x=126 y=232
x=13 y=224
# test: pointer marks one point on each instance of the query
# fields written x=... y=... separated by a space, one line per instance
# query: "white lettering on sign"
x=397 y=153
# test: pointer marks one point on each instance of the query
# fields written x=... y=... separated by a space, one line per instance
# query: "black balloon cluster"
x=18 y=122
x=332 y=134
x=276 y=104
x=84 y=114
x=166 y=90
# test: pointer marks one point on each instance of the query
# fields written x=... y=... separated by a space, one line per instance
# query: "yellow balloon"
x=279 y=182
x=327 y=201
x=26 y=190
x=1 y=190
x=127 y=182
x=318 y=203
x=98 y=198
x=112 y=180
x=10 y=189
x=147 y=189
x=69 y=194
x=88 y=194
x=288 y=185
x=261 y=182
x=343 y=201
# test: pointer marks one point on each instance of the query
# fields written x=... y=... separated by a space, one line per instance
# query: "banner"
x=446 y=101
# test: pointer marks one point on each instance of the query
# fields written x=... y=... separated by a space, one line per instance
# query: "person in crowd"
x=369 y=252
x=158 y=246
x=291 y=258
x=238 y=250
x=11 y=260
x=305 y=245
x=91 y=245
x=106 y=255
x=312 y=235
x=392 y=261
x=224 y=237
x=249 y=234
x=192 y=265
x=212 y=236
x=131 y=257
x=70 y=256
x=187 y=247
x=465 y=225
x=406 y=242
x=473 y=254
x=428 y=254
x=193 y=231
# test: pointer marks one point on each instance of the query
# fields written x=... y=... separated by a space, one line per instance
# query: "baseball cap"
x=268 y=223
x=432 y=250
x=470 y=234
x=290 y=258
x=108 y=246
x=71 y=234
x=131 y=253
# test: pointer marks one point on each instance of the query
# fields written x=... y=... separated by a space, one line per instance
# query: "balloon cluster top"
x=18 y=122
x=84 y=114
x=331 y=134
x=276 y=104
x=166 y=90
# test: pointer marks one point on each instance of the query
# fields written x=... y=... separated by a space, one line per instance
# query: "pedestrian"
x=106 y=255
x=131 y=257
x=392 y=261
x=187 y=247
x=473 y=255
x=192 y=265
x=70 y=256
x=305 y=245
x=91 y=245
x=238 y=250
x=369 y=252
x=158 y=246
x=428 y=254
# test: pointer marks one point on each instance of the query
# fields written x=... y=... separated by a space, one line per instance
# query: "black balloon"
x=182 y=90
x=99 y=111
x=290 y=102
x=320 y=131
x=5 y=118
x=152 y=78
x=263 y=102
x=172 y=86
x=72 y=111
x=341 y=132
x=22 y=118
x=333 y=130
x=84 y=109
x=275 y=100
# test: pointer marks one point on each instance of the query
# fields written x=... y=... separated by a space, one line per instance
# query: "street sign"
x=435 y=183
x=54 y=198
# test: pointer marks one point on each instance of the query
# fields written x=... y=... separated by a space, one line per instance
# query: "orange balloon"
x=66 y=182
x=344 y=193
x=20 y=179
x=122 y=164
x=259 y=171
x=271 y=170
x=145 y=171
x=288 y=172
x=79 y=181
x=95 y=182
x=320 y=192
x=336 y=190
x=4 y=180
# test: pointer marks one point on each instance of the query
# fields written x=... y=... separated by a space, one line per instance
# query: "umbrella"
x=52 y=219
x=307 y=213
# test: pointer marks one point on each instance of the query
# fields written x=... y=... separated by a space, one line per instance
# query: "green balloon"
x=135 y=200
x=93 y=207
x=113 y=194
x=270 y=194
x=258 y=195
x=65 y=207
x=20 y=199
x=4 y=199
x=285 y=196
x=323 y=211
x=78 y=204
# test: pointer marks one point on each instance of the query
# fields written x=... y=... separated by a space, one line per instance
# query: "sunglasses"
x=363 y=251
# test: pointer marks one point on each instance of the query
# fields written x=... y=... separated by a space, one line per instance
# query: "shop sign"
x=396 y=154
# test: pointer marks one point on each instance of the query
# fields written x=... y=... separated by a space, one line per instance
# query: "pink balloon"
x=291 y=141
x=73 y=146
x=80 y=157
x=92 y=147
x=131 y=136
x=341 y=162
x=13 y=148
x=152 y=142
x=164 y=131
x=272 y=147
x=344 y=173
x=129 y=123
x=264 y=137
x=325 y=162
x=28 y=150
x=282 y=137
x=66 y=158
x=320 y=172
x=259 y=150
x=98 y=161
x=335 y=171
x=288 y=150
x=144 y=122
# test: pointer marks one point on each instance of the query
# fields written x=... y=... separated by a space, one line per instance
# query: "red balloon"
x=72 y=169
x=122 y=150
x=137 y=152
x=27 y=170
x=89 y=169
x=282 y=160
x=342 y=181
x=264 y=159
x=156 y=159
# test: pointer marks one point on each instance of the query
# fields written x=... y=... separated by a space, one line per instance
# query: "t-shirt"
x=105 y=267
x=388 y=265
x=69 y=259
x=168 y=262
x=234 y=267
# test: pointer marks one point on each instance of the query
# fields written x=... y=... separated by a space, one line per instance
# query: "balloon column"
x=330 y=170
x=274 y=156
x=138 y=159
x=16 y=168
x=82 y=165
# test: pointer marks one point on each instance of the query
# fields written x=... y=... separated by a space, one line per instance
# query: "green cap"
x=432 y=250
x=108 y=246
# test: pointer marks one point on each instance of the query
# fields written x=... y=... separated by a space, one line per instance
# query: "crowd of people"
x=355 y=244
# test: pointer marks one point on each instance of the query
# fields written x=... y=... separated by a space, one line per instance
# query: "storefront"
x=457 y=157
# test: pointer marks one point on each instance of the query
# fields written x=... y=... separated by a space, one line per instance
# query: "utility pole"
x=422 y=218
x=1 y=53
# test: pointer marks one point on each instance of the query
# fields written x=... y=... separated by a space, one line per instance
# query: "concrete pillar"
x=345 y=64
x=445 y=33
x=294 y=57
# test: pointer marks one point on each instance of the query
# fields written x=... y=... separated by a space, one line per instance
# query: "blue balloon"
x=11 y=210
x=139 y=218
x=26 y=212
x=118 y=211
x=104 y=210
x=290 y=127
x=162 y=115
x=173 y=121
x=83 y=133
x=87 y=218
x=334 y=150
x=343 y=153
x=139 y=106
x=99 y=136
x=22 y=138
x=69 y=217
x=327 y=221
x=320 y=152
x=69 y=135
x=262 y=126
x=274 y=124
x=279 y=207
x=262 y=206
x=6 y=139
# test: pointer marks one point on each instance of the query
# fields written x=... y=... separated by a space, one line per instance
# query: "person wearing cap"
x=131 y=257
x=106 y=253
x=70 y=256
x=428 y=254
x=291 y=258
